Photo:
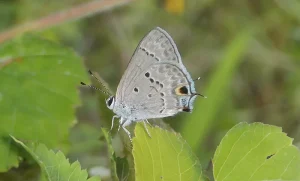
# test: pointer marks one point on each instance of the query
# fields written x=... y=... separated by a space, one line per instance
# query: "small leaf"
x=37 y=93
x=55 y=165
x=164 y=156
x=256 y=152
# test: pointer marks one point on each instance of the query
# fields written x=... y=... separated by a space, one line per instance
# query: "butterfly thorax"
x=127 y=112
x=121 y=110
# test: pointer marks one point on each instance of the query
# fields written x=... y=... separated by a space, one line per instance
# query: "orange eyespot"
x=182 y=90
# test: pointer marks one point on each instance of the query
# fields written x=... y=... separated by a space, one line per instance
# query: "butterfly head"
x=110 y=102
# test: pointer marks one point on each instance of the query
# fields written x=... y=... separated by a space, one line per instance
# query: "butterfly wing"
x=150 y=86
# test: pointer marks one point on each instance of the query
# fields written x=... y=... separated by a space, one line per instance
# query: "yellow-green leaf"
x=256 y=152
x=164 y=156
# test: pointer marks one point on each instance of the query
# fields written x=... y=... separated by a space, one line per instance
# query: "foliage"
x=256 y=152
x=163 y=156
x=55 y=165
x=38 y=93
x=248 y=76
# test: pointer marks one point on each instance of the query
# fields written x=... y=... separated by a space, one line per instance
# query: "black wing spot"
x=151 y=80
x=147 y=74
x=136 y=89
x=162 y=94
x=157 y=82
x=149 y=95
x=161 y=85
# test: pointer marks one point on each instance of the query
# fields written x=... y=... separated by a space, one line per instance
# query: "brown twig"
x=73 y=13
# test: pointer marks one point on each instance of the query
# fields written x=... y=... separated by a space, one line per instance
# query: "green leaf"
x=256 y=152
x=55 y=165
x=164 y=156
x=37 y=93
x=199 y=123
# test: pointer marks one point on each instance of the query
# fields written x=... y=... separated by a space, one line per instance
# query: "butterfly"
x=155 y=84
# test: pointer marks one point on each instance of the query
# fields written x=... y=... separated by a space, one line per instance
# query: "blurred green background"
x=246 y=52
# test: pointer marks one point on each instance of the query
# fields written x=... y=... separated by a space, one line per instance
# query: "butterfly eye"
x=110 y=102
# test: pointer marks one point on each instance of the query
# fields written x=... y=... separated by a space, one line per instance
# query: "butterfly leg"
x=146 y=120
x=112 y=121
x=126 y=123
x=121 y=121
x=145 y=126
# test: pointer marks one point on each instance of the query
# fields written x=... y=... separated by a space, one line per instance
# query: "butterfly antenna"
x=82 y=83
x=106 y=90
x=197 y=79
x=200 y=95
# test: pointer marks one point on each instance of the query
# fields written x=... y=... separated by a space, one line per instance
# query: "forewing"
x=156 y=46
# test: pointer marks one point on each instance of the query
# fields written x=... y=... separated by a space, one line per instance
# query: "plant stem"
x=76 y=12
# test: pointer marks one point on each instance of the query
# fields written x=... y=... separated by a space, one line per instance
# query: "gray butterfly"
x=155 y=84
